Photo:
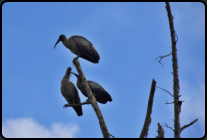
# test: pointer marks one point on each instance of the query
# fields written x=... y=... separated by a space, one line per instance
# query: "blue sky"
x=128 y=38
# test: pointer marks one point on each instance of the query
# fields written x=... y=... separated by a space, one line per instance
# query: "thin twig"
x=71 y=105
x=111 y=135
x=168 y=103
x=185 y=126
x=166 y=91
x=168 y=126
x=161 y=58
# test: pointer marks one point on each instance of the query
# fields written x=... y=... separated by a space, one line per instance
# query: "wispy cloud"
x=30 y=128
x=184 y=12
x=193 y=107
x=194 y=102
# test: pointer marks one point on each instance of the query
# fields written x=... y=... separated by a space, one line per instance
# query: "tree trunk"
x=176 y=86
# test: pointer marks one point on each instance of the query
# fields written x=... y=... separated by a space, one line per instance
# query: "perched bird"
x=80 y=46
x=70 y=93
x=99 y=92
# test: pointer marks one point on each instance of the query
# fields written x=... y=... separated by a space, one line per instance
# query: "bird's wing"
x=76 y=100
x=86 y=49
x=67 y=94
x=101 y=95
x=95 y=87
x=82 y=40
x=76 y=96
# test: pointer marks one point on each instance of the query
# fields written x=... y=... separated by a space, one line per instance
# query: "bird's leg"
x=76 y=58
x=65 y=105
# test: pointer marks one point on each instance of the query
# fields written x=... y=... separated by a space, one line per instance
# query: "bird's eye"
x=61 y=37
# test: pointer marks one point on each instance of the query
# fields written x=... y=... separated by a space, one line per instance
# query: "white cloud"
x=193 y=107
x=30 y=128
x=184 y=13
x=194 y=102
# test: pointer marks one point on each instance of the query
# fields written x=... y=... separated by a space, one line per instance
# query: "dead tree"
x=176 y=87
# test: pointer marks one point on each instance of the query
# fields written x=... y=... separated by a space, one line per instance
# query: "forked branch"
x=161 y=58
x=168 y=126
x=92 y=100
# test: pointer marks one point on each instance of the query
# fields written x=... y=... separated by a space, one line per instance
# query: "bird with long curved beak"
x=70 y=92
x=80 y=46
x=102 y=96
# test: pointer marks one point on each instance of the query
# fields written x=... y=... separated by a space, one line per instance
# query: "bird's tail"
x=78 y=110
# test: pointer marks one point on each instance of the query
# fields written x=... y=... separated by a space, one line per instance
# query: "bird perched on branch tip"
x=81 y=47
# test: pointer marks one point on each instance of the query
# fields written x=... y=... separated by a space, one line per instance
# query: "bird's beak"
x=75 y=74
x=57 y=43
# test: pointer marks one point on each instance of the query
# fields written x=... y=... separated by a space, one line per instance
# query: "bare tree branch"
x=69 y=105
x=168 y=103
x=175 y=72
x=92 y=99
x=111 y=135
x=160 y=131
x=149 y=111
x=166 y=91
x=161 y=58
x=185 y=126
x=168 y=126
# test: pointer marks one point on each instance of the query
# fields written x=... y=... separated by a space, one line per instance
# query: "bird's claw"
x=76 y=58
x=65 y=106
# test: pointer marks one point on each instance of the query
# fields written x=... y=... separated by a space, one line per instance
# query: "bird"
x=80 y=46
x=102 y=96
x=70 y=92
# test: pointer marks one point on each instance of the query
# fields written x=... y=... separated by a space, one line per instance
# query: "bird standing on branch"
x=99 y=92
x=81 y=47
x=70 y=93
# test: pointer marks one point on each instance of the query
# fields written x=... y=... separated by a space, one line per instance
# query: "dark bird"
x=70 y=92
x=80 y=46
x=102 y=96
